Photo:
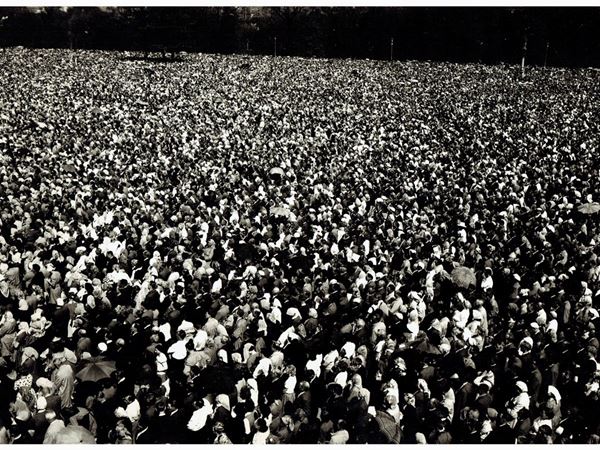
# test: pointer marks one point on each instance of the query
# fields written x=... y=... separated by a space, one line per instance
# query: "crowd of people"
x=233 y=249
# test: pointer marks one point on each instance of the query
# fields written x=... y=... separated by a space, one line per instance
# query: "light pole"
x=2 y=20
x=275 y=46
x=391 y=49
x=523 y=58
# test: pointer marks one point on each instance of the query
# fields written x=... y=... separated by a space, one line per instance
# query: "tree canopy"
x=558 y=36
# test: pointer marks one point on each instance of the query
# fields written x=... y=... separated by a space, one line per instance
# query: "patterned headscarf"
x=24 y=382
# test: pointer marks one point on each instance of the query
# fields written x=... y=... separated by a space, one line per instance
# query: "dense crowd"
x=286 y=250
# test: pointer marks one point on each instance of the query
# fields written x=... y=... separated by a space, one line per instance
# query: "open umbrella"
x=96 y=369
x=589 y=208
x=74 y=434
x=463 y=277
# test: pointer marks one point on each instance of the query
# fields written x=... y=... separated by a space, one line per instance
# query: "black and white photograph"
x=299 y=224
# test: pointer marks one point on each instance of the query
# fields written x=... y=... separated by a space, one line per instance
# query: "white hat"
x=436 y=325
x=293 y=313
x=467 y=334
x=522 y=386
x=552 y=326
x=527 y=340
x=23 y=415
x=44 y=383
x=349 y=349
x=554 y=393
x=488 y=383
x=413 y=327
x=178 y=351
x=41 y=403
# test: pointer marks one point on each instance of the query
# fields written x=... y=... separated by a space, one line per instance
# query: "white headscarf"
x=554 y=393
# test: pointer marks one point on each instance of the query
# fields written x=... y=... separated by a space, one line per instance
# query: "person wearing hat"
x=47 y=389
x=122 y=258
x=8 y=328
x=63 y=377
x=553 y=405
x=525 y=351
x=39 y=420
x=520 y=401
x=54 y=429
x=484 y=398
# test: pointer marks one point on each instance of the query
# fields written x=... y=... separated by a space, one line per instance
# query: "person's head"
x=261 y=425
x=440 y=426
x=123 y=428
x=335 y=390
x=50 y=415
x=108 y=388
x=218 y=428
x=473 y=416
x=341 y=425
x=483 y=388
x=593 y=439
x=303 y=386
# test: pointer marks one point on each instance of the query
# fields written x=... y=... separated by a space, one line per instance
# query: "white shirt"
x=133 y=411
x=315 y=365
x=199 y=417
x=178 y=350
x=260 y=438
x=161 y=362
x=290 y=385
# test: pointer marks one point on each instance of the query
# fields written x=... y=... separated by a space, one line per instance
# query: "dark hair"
x=56 y=347
x=107 y=383
x=261 y=425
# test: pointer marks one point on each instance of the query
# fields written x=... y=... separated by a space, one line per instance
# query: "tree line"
x=554 y=36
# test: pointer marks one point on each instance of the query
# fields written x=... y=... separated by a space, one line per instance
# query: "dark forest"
x=551 y=36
